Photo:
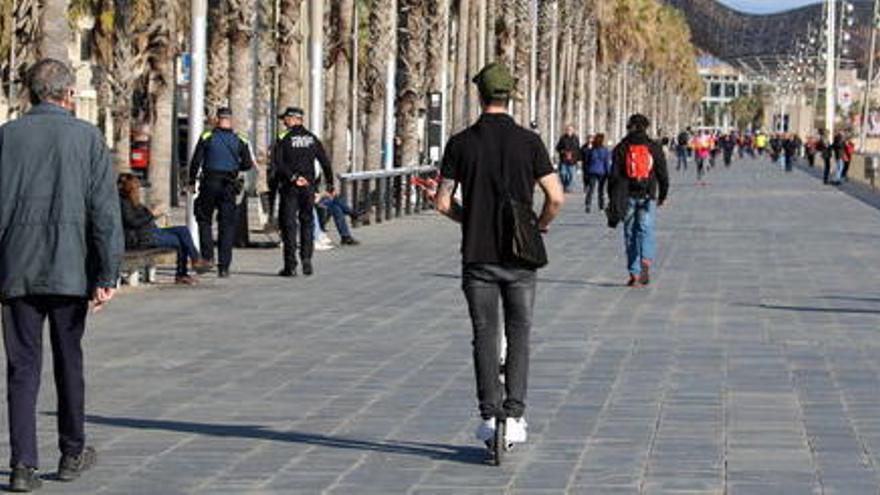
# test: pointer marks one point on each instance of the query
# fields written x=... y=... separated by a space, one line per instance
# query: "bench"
x=140 y=264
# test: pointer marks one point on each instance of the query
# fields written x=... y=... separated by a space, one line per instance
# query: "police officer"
x=220 y=155
x=293 y=167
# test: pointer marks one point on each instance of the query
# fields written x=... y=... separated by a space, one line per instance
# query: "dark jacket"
x=597 y=161
x=568 y=148
x=621 y=188
x=294 y=156
x=138 y=223
x=220 y=151
x=60 y=226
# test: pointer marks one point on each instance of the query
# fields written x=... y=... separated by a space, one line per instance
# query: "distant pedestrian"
x=220 y=156
x=702 y=146
x=597 y=166
x=639 y=183
x=497 y=164
x=849 y=149
x=568 y=148
x=790 y=147
x=825 y=148
x=681 y=150
x=294 y=166
x=60 y=247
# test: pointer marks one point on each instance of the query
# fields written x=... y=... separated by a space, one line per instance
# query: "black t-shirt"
x=474 y=159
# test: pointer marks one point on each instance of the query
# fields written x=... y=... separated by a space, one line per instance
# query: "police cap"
x=224 y=112
x=292 y=112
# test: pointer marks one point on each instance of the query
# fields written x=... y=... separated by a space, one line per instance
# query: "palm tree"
x=289 y=52
x=342 y=58
x=55 y=28
x=411 y=80
x=381 y=45
x=22 y=52
x=459 y=85
x=242 y=28
x=217 y=80
x=163 y=49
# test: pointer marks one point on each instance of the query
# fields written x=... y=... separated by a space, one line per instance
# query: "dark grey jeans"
x=484 y=286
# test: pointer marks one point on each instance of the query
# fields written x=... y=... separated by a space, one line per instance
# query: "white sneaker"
x=516 y=430
x=323 y=246
x=486 y=430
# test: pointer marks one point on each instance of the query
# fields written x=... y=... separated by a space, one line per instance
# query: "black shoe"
x=24 y=479
x=72 y=467
x=646 y=274
x=223 y=272
x=587 y=209
x=349 y=241
x=287 y=272
x=307 y=268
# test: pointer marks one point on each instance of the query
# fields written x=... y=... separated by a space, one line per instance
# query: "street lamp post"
x=198 y=53
x=830 y=67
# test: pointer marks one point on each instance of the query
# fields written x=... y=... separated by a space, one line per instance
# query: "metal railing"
x=385 y=194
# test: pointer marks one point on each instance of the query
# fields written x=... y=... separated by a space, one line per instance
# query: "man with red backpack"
x=638 y=184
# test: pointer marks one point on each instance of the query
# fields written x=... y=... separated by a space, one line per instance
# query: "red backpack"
x=639 y=162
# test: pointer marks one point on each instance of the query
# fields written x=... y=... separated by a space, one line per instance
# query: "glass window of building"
x=715 y=90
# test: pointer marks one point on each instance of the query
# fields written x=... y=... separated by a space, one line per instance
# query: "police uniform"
x=293 y=157
x=220 y=155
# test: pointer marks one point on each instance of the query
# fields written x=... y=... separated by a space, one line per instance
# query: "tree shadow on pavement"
x=439 y=452
x=813 y=309
x=582 y=283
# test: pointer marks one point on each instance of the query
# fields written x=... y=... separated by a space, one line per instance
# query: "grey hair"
x=49 y=79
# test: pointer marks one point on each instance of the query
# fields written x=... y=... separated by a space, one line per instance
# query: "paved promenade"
x=751 y=366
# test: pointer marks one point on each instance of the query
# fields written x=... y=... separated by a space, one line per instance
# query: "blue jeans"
x=338 y=210
x=177 y=238
x=566 y=174
x=638 y=232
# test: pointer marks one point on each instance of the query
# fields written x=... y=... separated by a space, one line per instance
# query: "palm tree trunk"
x=217 y=80
x=289 y=52
x=521 y=31
x=382 y=24
x=460 y=83
x=241 y=80
x=412 y=56
x=341 y=106
x=473 y=64
x=161 y=85
x=55 y=28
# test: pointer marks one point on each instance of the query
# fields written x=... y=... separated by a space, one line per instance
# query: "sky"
x=765 y=6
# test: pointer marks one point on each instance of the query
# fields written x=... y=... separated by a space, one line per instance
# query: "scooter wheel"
x=500 y=444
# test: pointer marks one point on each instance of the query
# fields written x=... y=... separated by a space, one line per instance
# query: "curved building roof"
x=758 y=41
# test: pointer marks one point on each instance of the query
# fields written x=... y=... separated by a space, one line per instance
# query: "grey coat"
x=60 y=226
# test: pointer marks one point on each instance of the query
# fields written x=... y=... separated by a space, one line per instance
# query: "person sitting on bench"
x=141 y=231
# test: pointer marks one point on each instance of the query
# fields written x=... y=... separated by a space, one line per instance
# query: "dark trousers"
x=216 y=196
x=845 y=172
x=23 y=320
x=826 y=174
x=596 y=183
x=297 y=213
x=485 y=285
x=177 y=238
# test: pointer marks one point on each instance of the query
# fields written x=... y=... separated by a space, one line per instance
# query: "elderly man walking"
x=60 y=244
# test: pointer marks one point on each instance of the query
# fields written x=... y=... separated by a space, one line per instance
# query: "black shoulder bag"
x=521 y=237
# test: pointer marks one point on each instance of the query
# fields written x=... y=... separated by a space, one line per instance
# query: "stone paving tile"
x=750 y=366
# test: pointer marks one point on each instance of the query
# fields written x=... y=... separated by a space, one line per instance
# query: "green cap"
x=495 y=81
